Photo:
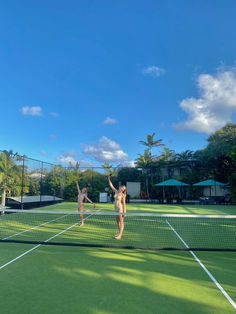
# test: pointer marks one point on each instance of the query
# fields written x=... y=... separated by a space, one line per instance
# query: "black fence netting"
x=26 y=182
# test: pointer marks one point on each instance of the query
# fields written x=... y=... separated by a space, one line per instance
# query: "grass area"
x=59 y=279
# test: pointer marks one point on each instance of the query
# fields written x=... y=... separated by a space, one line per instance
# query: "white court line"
x=204 y=267
x=37 y=246
x=15 y=259
x=35 y=227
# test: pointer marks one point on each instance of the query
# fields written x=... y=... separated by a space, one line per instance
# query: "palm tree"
x=143 y=161
x=150 y=143
x=185 y=156
x=185 y=160
x=109 y=170
x=167 y=155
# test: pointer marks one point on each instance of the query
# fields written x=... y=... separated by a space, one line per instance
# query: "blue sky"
x=86 y=80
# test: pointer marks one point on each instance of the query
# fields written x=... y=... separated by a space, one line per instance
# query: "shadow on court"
x=86 y=280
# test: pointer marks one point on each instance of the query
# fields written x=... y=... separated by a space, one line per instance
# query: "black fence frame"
x=40 y=168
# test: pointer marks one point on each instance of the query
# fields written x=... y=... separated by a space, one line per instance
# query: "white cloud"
x=106 y=150
x=52 y=136
x=54 y=114
x=71 y=154
x=153 y=71
x=86 y=163
x=128 y=163
x=67 y=158
x=215 y=105
x=109 y=120
x=32 y=111
x=43 y=153
x=70 y=158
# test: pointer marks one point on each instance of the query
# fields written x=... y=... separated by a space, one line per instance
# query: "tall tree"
x=214 y=159
x=232 y=178
x=151 y=142
x=9 y=173
x=185 y=156
x=144 y=161
x=222 y=141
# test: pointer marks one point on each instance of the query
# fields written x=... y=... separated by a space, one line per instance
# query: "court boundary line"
x=231 y=301
x=37 y=246
x=35 y=227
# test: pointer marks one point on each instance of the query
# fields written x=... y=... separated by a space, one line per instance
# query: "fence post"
x=22 y=182
x=92 y=180
x=41 y=183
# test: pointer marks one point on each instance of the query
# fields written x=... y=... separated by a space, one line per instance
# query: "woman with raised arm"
x=81 y=196
x=120 y=207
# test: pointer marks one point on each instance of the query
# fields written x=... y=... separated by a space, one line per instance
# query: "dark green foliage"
x=217 y=161
x=128 y=174
x=34 y=187
x=232 y=178
x=222 y=141
x=10 y=175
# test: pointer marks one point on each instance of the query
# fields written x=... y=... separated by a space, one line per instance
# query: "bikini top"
x=118 y=197
x=80 y=196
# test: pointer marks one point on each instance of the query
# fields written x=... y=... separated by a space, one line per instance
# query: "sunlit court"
x=117 y=157
x=46 y=256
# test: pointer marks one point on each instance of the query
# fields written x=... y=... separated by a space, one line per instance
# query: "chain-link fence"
x=27 y=182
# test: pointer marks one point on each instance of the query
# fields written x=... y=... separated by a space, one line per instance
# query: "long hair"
x=124 y=192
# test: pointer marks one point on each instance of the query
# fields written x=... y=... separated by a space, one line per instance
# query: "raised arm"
x=77 y=184
x=111 y=185
x=89 y=200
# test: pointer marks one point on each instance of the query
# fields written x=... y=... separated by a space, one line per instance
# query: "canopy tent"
x=210 y=183
x=170 y=182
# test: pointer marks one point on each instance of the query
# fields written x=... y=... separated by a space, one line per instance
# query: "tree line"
x=216 y=161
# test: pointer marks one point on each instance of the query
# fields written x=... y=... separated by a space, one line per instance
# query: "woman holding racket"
x=120 y=207
x=81 y=196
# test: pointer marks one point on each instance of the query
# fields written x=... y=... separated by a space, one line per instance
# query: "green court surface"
x=154 y=208
x=64 y=279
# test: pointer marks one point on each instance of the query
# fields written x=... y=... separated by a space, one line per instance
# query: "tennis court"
x=81 y=279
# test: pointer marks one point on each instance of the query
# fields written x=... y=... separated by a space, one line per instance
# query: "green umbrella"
x=170 y=182
x=210 y=183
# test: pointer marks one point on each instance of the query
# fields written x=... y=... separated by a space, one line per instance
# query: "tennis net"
x=141 y=231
